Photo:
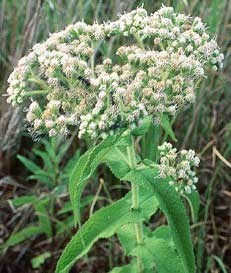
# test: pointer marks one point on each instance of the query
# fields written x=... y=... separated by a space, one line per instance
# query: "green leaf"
x=219 y=262
x=103 y=224
x=117 y=161
x=173 y=208
x=160 y=254
x=150 y=143
x=22 y=235
x=22 y=200
x=163 y=232
x=193 y=200
x=157 y=250
x=143 y=128
x=40 y=259
x=71 y=162
x=160 y=245
x=46 y=160
x=63 y=148
x=41 y=177
x=105 y=152
x=30 y=165
x=65 y=225
x=129 y=268
x=44 y=220
x=166 y=125
x=84 y=202
x=50 y=148
x=127 y=237
x=76 y=185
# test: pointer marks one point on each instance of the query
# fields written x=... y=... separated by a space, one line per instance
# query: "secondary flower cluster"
x=179 y=167
x=63 y=83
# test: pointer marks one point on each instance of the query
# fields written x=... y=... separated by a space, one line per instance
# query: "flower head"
x=178 y=166
x=155 y=74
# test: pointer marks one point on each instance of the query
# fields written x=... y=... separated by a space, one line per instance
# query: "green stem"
x=139 y=40
x=135 y=202
x=35 y=92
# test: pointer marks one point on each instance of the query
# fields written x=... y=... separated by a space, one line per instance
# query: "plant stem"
x=135 y=202
x=35 y=92
x=139 y=40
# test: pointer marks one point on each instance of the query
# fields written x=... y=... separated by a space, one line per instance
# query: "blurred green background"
x=205 y=127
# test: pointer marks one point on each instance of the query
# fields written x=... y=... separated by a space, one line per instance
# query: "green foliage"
x=130 y=268
x=143 y=129
x=127 y=237
x=52 y=172
x=43 y=225
x=22 y=235
x=103 y=224
x=172 y=243
x=219 y=261
x=44 y=220
x=172 y=206
x=107 y=152
x=53 y=175
x=193 y=200
x=22 y=200
x=40 y=259
x=159 y=254
x=156 y=247
x=30 y=165
x=166 y=125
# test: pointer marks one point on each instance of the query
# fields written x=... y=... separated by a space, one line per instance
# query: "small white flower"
x=199 y=71
x=49 y=123
x=83 y=125
x=188 y=189
x=92 y=125
x=196 y=161
x=30 y=116
x=37 y=123
x=102 y=94
x=52 y=133
x=34 y=106
x=88 y=117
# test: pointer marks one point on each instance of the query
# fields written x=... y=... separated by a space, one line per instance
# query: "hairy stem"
x=135 y=202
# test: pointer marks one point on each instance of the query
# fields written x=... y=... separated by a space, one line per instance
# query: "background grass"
x=205 y=127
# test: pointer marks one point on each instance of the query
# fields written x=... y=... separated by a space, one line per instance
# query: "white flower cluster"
x=178 y=166
x=166 y=54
